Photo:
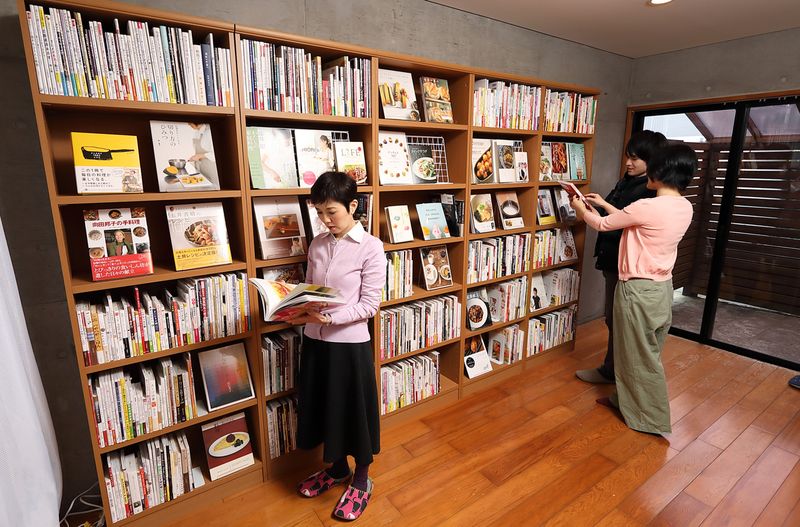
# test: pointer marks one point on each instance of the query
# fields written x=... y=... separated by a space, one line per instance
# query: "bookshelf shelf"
x=56 y=116
x=550 y=309
x=559 y=265
x=83 y=284
x=565 y=346
x=278 y=395
x=496 y=370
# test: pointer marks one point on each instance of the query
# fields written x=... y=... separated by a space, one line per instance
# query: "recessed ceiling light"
x=658 y=2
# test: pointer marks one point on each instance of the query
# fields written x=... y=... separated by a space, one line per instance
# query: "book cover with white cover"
x=503 y=158
x=199 y=235
x=279 y=222
x=184 y=156
x=394 y=166
x=540 y=298
x=270 y=154
x=315 y=155
x=396 y=91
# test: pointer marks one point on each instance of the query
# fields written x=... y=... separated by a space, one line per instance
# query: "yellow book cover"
x=106 y=163
x=199 y=235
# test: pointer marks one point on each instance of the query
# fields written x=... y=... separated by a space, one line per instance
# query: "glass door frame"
x=742 y=108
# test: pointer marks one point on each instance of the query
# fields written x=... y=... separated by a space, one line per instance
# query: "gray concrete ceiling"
x=634 y=29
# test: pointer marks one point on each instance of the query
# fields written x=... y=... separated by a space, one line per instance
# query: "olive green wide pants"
x=642 y=317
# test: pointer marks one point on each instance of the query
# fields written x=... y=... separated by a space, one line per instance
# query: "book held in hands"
x=284 y=301
x=228 y=446
x=119 y=243
x=106 y=163
x=184 y=156
x=199 y=235
x=226 y=376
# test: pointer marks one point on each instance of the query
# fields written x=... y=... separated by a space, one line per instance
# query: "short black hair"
x=334 y=186
x=645 y=144
x=674 y=166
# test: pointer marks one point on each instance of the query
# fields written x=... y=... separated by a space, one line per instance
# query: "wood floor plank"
x=780 y=411
x=683 y=511
x=748 y=498
x=789 y=438
x=711 y=486
x=785 y=500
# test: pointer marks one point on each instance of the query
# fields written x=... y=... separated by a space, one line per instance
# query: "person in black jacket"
x=632 y=187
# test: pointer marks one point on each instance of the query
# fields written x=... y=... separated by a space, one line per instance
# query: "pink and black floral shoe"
x=353 y=502
x=317 y=483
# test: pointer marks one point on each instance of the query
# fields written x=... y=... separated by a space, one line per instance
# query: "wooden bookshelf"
x=56 y=117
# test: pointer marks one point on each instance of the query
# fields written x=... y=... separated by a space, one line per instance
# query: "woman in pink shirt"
x=337 y=394
x=653 y=228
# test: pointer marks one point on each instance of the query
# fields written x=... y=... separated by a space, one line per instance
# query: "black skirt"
x=338 y=400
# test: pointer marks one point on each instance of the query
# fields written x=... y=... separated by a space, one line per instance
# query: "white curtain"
x=30 y=471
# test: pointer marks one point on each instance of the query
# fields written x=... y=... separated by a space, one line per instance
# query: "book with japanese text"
x=119 y=243
x=106 y=163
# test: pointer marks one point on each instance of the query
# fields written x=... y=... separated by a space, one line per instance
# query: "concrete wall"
x=408 y=26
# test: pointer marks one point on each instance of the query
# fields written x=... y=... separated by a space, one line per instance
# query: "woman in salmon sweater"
x=653 y=228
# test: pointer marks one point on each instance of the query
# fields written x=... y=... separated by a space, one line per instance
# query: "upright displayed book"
x=280 y=227
x=566 y=249
x=228 y=445
x=509 y=209
x=545 y=212
x=393 y=160
x=291 y=274
x=423 y=168
x=363 y=213
x=560 y=160
x=482 y=164
x=199 y=235
x=226 y=376
x=565 y=212
x=436 y=100
x=478 y=311
x=576 y=156
x=503 y=159
x=350 y=160
x=482 y=213
x=283 y=300
x=540 y=298
x=436 y=271
x=521 y=167
x=184 y=156
x=476 y=358
x=432 y=221
x=315 y=156
x=106 y=163
x=398 y=101
x=270 y=152
x=398 y=223
x=119 y=243
x=546 y=163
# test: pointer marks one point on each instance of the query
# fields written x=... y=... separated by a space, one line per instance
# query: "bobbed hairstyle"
x=333 y=186
x=674 y=166
x=645 y=144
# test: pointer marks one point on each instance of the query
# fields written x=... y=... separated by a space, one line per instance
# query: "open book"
x=283 y=301
x=572 y=190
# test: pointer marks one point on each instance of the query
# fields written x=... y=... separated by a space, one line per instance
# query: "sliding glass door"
x=737 y=278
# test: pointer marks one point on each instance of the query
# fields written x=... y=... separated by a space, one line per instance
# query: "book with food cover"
x=576 y=155
x=566 y=245
x=560 y=161
x=545 y=212
x=503 y=159
x=199 y=235
x=436 y=100
x=291 y=274
x=521 y=166
x=432 y=221
x=227 y=445
x=280 y=227
x=393 y=163
x=119 y=243
x=436 y=272
x=423 y=167
x=270 y=153
x=509 y=209
x=546 y=163
x=478 y=311
x=350 y=160
x=482 y=165
x=284 y=301
x=476 y=358
x=184 y=156
x=396 y=89
x=497 y=346
x=315 y=155
x=106 y=163
x=572 y=190
x=226 y=376
x=482 y=217
x=398 y=222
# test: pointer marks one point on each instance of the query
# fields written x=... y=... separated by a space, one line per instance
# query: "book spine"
x=208 y=76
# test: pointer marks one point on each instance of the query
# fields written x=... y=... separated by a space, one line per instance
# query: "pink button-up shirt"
x=355 y=265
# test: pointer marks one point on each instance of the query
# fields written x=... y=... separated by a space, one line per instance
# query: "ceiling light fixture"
x=656 y=3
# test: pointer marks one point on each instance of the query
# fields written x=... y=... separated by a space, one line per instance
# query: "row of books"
x=282 y=426
x=491 y=258
x=417 y=325
x=281 y=356
x=409 y=381
x=562 y=161
x=506 y=105
x=287 y=79
x=435 y=220
x=399 y=275
x=554 y=246
x=162 y=65
x=147 y=398
x=569 y=112
x=552 y=288
x=550 y=330
x=197 y=310
x=498 y=161
x=436 y=272
x=499 y=302
x=148 y=474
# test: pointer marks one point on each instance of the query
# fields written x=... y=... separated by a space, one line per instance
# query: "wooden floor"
x=538 y=450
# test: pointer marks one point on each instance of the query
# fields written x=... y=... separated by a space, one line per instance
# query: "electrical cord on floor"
x=88 y=506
